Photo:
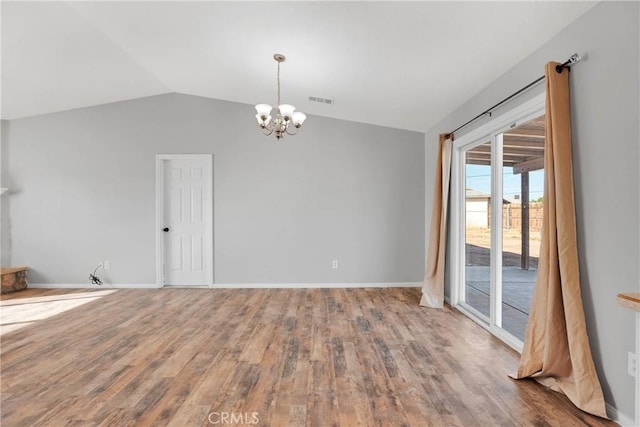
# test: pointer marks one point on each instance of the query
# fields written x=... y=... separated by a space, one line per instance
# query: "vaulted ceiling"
x=399 y=64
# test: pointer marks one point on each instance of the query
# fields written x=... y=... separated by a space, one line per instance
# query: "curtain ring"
x=559 y=69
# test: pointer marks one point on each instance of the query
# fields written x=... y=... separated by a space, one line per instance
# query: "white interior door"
x=185 y=220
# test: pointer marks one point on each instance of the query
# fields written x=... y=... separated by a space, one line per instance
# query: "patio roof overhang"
x=523 y=148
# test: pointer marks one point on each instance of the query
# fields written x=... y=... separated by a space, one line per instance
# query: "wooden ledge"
x=630 y=300
x=13 y=279
x=10 y=270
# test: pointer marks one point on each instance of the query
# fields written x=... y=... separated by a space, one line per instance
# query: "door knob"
x=166 y=229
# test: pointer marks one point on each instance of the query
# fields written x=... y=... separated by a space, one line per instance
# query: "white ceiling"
x=404 y=65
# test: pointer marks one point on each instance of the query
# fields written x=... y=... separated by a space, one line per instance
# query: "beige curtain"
x=433 y=283
x=556 y=347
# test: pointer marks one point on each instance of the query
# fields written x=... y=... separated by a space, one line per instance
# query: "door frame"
x=208 y=201
x=512 y=118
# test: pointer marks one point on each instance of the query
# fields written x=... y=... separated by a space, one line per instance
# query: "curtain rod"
x=575 y=58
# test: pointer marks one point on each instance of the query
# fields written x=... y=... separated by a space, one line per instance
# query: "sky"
x=479 y=178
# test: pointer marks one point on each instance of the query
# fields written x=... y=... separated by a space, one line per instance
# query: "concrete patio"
x=517 y=290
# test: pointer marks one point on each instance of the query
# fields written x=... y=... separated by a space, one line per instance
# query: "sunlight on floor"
x=19 y=312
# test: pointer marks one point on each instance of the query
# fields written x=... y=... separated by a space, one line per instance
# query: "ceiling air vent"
x=321 y=100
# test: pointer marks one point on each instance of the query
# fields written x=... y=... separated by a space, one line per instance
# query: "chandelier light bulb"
x=286 y=110
x=263 y=121
x=298 y=118
x=263 y=109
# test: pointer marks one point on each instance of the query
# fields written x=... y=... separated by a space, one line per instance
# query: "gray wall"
x=85 y=192
x=5 y=253
x=605 y=103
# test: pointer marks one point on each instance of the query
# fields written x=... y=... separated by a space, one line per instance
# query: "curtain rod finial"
x=573 y=59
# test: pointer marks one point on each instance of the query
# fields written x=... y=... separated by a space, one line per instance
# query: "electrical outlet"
x=632 y=364
x=106 y=265
x=334 y=264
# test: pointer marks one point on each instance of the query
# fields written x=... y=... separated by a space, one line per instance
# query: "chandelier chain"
x=278 y=85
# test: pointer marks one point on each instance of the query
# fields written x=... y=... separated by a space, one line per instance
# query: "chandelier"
x=286 y=120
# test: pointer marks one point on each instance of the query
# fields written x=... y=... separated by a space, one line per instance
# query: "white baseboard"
x=91 y=286
x=228 y=285
x=619 y=417
x=315 y=285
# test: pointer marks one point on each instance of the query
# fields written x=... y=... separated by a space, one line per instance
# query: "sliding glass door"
x=497 y=189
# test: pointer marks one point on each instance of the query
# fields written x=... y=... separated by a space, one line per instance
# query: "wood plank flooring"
x=264 y=357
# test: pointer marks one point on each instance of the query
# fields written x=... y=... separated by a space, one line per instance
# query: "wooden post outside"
x=524 y=222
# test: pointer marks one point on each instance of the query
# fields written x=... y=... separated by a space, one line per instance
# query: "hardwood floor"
x=278 y=357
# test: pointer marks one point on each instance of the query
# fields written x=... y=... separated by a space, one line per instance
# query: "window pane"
x=522 y=188
x=478 y=227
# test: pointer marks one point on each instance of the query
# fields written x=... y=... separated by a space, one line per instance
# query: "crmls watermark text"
x=234 y=418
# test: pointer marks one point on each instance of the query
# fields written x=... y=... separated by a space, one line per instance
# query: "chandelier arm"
x=267 y=131
x=291 y=133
